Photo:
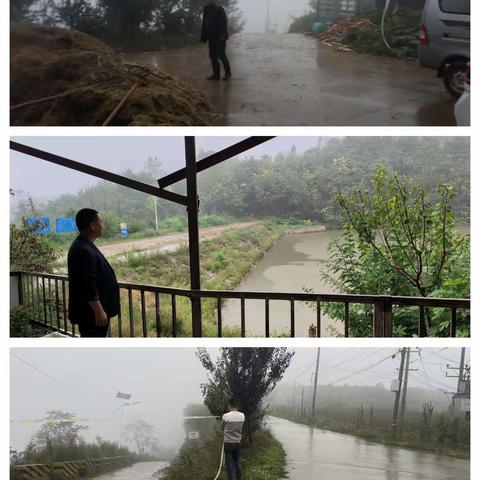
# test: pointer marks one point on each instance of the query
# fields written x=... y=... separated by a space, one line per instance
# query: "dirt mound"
x=362 y=34
x=336 y=35
x=88 y=80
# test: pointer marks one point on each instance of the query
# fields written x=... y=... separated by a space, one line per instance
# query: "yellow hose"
x=221 y=464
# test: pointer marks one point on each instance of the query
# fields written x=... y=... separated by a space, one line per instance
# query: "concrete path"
x=293 y=79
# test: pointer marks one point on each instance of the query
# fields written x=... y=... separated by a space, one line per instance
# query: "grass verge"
x=411 y=439
x=264 y=459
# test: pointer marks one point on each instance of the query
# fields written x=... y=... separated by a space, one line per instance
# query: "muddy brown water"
x=291 y=264
x=293 y=79
x=314 y=454
x=138 y=471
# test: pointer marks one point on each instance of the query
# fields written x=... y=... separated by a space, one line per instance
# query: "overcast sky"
x=43 y=180
x=165 y=380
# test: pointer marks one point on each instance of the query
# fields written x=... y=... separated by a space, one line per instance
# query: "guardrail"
x=69 y=470
x=149 y=310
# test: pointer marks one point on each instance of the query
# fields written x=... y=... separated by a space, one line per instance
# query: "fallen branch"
x=40 y=100
x=119 y=105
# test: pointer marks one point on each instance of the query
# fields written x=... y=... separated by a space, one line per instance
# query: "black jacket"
x=90 y=278
x=214 y=25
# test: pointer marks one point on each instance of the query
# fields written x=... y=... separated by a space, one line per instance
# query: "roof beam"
x=99 y=173
x=214 y=159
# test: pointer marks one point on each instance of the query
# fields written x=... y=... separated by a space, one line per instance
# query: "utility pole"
x=314 y=400
x=317 y=13
x=398 y=392
x=303 y=393
x=461 y=371
x=407 y=369
x=156 y=212
x=267 y=21
x=294 y=392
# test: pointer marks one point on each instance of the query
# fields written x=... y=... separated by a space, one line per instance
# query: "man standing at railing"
x=94 y=296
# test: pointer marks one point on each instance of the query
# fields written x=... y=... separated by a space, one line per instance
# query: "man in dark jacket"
x=215 y=32
x=94 y=295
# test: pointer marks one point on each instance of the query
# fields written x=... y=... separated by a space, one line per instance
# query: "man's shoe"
x=213 y=77
x=227 y=77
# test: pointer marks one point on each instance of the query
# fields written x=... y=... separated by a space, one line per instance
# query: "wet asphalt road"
x=138 y=471
x=314 y=454
x=292 y=79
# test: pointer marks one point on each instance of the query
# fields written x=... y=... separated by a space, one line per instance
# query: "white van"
x=445 y=41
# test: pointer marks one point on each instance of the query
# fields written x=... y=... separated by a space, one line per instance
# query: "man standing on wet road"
x=215 y=33
x=94 y=296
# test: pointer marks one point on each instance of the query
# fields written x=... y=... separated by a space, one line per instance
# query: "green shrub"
x=20 y=320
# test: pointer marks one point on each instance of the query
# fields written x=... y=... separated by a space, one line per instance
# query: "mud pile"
x=50 y=61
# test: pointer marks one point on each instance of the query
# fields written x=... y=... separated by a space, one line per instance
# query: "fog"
x=281 y=14
x=43 y=180
x=85 y=381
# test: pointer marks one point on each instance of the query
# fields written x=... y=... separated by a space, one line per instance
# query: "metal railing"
x=148 y=310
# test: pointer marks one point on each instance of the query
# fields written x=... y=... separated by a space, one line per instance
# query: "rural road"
x=314 y=454
x=293 y=79
x=167 y=242
x=138 y=471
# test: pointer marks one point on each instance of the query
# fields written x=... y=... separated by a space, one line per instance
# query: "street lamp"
x=121 y=407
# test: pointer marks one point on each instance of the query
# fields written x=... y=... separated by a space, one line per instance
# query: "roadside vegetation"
x=224 y=262
x=398 y=240
x=59 y=439
x=362 y=33
x=442 y=432
x=264 y=459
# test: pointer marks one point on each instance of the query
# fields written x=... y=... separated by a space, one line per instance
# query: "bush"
x=303 y=24
x=20 y=319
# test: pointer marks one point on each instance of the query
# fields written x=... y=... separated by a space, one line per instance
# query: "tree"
x=19 y=9
x=82 y=16
x=397 y=240
x=58 y=432
x=415 y=237
x=140 y=433
x=28 y=250
x=247 y=374
x=126 y=16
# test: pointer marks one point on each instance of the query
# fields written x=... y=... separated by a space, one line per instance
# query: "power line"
x=442 y=357
x=360 y=371
x=64 y=385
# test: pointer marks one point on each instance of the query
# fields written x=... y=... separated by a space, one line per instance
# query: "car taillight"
x=424 y=36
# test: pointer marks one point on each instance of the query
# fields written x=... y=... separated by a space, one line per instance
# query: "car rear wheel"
x=454 y=78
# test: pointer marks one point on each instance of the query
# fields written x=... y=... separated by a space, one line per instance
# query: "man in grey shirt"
x=232 y=426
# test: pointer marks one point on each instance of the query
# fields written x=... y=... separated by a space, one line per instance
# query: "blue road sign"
x=123 y=230
x=44 y=224
x=65 y=225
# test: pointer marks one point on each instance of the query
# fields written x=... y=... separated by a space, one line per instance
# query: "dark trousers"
x=232 y=460
x=91 y=329
x=217 y=50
